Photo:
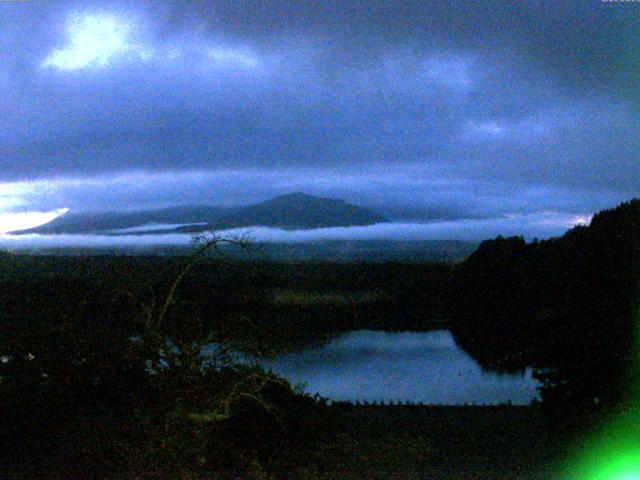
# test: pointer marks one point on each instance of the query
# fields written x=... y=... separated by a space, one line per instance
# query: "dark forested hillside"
x=564 y=305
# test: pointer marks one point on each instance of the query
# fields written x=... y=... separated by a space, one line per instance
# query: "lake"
x=423 y=367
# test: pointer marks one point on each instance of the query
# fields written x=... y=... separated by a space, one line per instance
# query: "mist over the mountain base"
x=542 y=225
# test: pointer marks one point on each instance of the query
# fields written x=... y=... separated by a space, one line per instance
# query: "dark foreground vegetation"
x=103 y=372
x=290 y=303
x=109 y=382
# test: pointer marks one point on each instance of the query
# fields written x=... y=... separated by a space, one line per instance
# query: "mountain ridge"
x=290 y=211
x=301 y=211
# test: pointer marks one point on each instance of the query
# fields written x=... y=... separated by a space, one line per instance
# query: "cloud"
x=152 y=227
x=96 y=40
x=468 y=109
x=451 y=71
x=23 y=220
x=233 y=56
x=542 y=225
x=413 y=195
x=489 y=128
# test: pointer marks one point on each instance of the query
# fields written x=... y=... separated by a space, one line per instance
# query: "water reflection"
x=417 y=366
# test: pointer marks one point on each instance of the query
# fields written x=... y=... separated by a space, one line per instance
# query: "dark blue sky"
x=424 y=109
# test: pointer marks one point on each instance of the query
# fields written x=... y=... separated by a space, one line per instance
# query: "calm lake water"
x=418 y=366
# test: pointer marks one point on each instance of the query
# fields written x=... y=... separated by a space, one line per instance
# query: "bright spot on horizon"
x=553 y=219
x=582 y=220
x=563 y=220
x=94 y=40
x=10 y=222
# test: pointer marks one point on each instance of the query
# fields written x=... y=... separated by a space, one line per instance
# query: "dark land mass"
x=301 y=211
x=101 y=378
x=567 y=306
x=429 y=251
x=280 y=302
x=71 y=222
x=414 y=442
x=292 y=211
x=333 y=251
x=448 y=443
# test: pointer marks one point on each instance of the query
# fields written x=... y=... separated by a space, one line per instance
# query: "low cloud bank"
x=541 y=225
x=151 y=227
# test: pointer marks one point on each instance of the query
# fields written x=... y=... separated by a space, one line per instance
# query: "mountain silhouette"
x=298 y=210
x=102 y=222
x=291 y=211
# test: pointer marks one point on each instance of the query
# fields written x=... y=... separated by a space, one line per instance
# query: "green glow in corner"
x=630 y=476
x=623 y=468
x=613 y=452
x=622 y=463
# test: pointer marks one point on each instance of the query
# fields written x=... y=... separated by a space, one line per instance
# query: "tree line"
x=567 y=306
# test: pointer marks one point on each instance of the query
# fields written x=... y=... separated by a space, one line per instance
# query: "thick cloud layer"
x=545 y=223
x=429 y=110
